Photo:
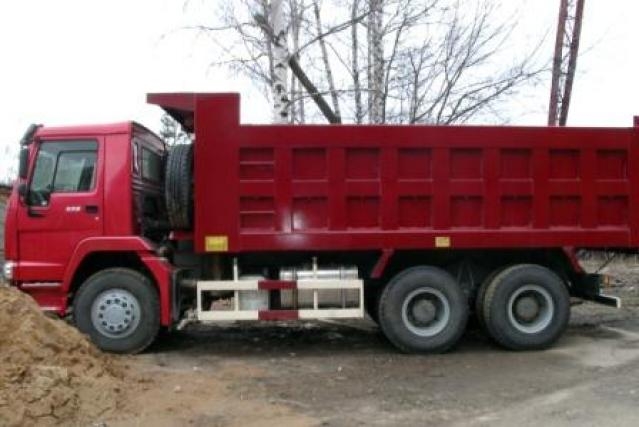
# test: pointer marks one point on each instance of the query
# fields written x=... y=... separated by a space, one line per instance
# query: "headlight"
x=7 y=270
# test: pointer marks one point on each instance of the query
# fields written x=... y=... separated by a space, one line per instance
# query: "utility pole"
x=565 y=60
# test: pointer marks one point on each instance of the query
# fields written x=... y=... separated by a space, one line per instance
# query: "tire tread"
x=177 y=185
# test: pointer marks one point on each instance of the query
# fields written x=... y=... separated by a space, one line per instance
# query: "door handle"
x=91 y=209
x=34 y=214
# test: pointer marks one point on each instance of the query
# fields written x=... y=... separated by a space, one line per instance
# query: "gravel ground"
x=345 y=373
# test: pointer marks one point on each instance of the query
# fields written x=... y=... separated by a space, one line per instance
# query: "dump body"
x=340 y=187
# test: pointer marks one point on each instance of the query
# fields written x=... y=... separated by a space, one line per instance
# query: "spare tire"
x=178 y=185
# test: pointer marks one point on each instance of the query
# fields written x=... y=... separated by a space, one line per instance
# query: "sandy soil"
x=50 y=374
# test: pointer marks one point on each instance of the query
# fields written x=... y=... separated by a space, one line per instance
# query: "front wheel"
x=423 y=310
x=119 y=309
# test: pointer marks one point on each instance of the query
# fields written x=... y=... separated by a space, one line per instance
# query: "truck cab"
x=88 y=198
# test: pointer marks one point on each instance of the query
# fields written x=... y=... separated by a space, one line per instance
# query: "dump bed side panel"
x=371 y=187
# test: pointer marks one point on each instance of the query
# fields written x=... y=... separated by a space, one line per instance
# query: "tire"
x=481 y=293
x=178 y=188
x=100 y=310
x=526 y=307
x=433 y=295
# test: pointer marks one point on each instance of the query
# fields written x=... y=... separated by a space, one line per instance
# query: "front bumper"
x=8 y=269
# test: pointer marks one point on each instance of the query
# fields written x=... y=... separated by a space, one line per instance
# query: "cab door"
x=62 y=207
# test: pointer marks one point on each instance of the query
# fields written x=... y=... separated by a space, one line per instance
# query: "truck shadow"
x=285 y=339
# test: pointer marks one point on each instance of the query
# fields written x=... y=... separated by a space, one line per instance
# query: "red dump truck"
x=418 y=226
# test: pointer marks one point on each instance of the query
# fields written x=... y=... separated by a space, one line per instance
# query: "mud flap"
x=589 y=287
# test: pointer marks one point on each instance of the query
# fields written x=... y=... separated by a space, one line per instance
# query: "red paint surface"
x=270 y=285
x=381 y=263
x=102 y=244
x=49 y=299
x=48 y=236
x=50 y=246
x=161 y=271
x=343 y=187
x=278 y=315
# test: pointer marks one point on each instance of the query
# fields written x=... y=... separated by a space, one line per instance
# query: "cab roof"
x=97 y=129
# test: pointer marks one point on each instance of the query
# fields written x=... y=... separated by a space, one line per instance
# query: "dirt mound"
x=49 y=372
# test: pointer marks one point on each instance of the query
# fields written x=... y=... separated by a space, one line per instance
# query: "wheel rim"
x=531 y=309
x=426 y=312
x=115 y=313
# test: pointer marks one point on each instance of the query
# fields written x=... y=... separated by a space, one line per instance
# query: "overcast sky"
x=93 y=61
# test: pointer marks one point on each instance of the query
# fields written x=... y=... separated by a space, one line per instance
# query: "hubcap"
x=531 y=309
x=527 y=308
x=115 y=313
x=426 y=312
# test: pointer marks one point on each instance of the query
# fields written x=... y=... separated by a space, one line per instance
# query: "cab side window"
x=63 y=167
x=151 y=165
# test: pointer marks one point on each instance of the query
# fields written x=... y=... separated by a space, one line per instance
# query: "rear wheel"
x=119 y=309
x=481 y=293
x=526 y=307
x=423 y=309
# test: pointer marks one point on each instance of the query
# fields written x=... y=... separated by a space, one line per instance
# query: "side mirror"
x=23 y=167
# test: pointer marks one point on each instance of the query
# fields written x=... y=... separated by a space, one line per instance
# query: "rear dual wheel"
x=524 y=307
x=423 y=310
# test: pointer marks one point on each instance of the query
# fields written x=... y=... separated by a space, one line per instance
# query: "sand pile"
x=49 y=372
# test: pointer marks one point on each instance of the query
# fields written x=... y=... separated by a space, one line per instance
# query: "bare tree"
x=450 y=79
x=376 y=61
x=420 y=61
x=355 y=71
x=171 y=132
x=279 y=28
x=253 y=46
x=298 y=107
x=327 y=65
